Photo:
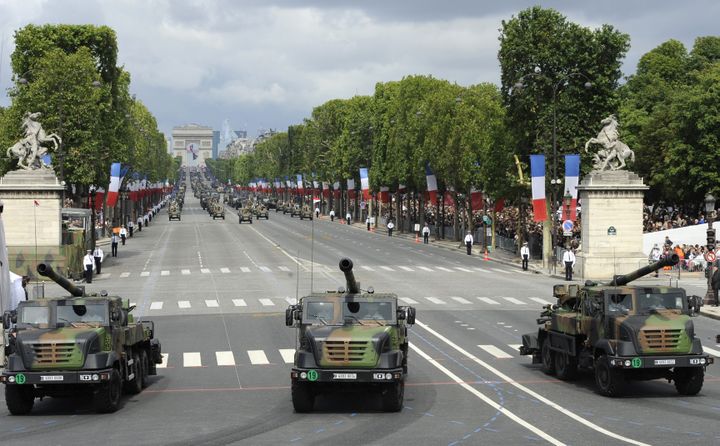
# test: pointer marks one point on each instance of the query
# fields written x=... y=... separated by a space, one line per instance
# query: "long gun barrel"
x=623 y=279
x=46 y=270
x=346 y=266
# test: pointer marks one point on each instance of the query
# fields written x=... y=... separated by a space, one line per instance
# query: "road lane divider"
x=486 y=399
x=530 y=392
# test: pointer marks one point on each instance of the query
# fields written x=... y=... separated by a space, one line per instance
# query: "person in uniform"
x=426 y=234
x=655 y=257
x=569 y=261
x=317 y=212
x=348 y=218
x=367 y=222
x=131 y=226
x=390 y=226
x=98 y=255
x=332 y=215
x=114 y=239
x=88 y=264
x=469 y=242
x=525 y=255
x=140 y=222
x=123 y=234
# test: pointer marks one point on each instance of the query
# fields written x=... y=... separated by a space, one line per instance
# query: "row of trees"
x=69 y=73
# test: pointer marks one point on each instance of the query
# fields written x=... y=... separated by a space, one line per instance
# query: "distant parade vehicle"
x=279 y=206
x=174 y=210
x=349 y=340
x=261 y=212
x=306 y=212
x=217 y=210
x=623 y=333
x=245 y=214
x=73 y=346
x=295 y=210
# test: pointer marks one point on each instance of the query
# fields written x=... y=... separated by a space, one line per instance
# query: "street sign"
x=487 y=220
x=612 y=230
x=710 y=256
x=567 y=228
x=417 y=227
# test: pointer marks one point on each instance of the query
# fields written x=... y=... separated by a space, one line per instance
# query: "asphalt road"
x=217 y=291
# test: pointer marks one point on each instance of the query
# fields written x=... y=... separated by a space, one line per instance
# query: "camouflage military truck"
x=78 y=345
x=306 y=212
x=217 y=210
x=349 y=341
x=622 y=332
x=174 y=211
x=294 y=210
x=261 y=212
x=279 y=206
x=245 y=214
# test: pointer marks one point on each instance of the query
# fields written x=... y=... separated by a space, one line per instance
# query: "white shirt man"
x=98 y=255
x=317 y=212
x=426 y=234
x=390 y=227
x=348 y=218
x=525 y=255
x=332 y=215
x=88 y=263
x=569 y=261
x=468 y=242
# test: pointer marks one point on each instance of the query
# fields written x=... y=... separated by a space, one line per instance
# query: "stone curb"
x=710 y=314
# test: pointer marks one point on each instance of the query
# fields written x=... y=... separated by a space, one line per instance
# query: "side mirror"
x=401 y=313
x=410 y=316
x=289 y=319
x=7 y=319
x=115 y=316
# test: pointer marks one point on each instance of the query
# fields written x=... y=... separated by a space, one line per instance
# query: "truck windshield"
x=35 y=316
x=77 y=315
x=319 y=312
x=659 y=301
x=373 y=310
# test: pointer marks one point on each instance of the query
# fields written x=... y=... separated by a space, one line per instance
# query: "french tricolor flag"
x=572 y=177
x=114 y=184
x=300 y=185
x=431 y=183
x=537 y=171
x=365 y=183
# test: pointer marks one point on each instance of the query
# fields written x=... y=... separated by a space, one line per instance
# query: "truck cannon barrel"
x=346 y=266
x=624 y=279
x=46 y=270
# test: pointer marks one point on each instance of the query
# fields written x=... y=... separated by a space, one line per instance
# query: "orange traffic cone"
x=417 y=239
x=486 y=255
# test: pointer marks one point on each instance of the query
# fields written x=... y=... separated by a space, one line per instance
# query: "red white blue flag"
x=572 y=176
x=431 y=183
x=114 y=184
x=537 y=171
x=365 y=183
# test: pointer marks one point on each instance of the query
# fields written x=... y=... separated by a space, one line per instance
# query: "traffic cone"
x=486 y=255
x=417 y=239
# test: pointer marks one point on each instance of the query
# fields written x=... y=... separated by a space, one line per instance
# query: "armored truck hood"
x=350 y=345
x=58 y=348
x=662 y=332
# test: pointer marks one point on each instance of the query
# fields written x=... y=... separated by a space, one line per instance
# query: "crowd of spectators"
x=661 y=217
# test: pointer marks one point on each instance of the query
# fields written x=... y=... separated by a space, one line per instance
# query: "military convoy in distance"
x=75 y=345
x=245 y=214
x=261 y=212
x=306 y=212
x=621 y=332
x=349 y=340
x=216 y=209
x=174 y=211
x=294 y=210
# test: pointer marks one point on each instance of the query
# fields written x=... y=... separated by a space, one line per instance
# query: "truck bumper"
x=660 y=362
x=56 y=377
x=347 y=376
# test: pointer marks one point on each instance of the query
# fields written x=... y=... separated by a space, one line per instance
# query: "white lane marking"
x=225 y=358
x=540 y=301
x=265 y=269
x=512 y=300
x=496 y=352
x=367 y=268
x=465 y=270
x=257 y=357
x=442 y=268
x=164 y=273
x=547 y=437
x=105 y=275
x=387 y=268
x=144 y=274
x=487 y=300
x=281 y=250
x=408 y=300
x=525 y=389
x=156 y=305
x=481 y=270
x=436 y=301
x=291 y=300
x=405 y=268
x=163 y=364
x=515 y=347
x=192 y=359
x=712 y=351
x=211 y=303
x=284 y=268
x=500 y=270
x=239 y=302
x=185 y=272
x=245 y=269
x=225 y=270
x=288 y=355
x=124 y=275
x=425 y=268
x=267 y=302
x=462 y=300
x=205 y=270
x=184 y=304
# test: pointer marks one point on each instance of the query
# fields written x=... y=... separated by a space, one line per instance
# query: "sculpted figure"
x=30 y=150
x=614 y=152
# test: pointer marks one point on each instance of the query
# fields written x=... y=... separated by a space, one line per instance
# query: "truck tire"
x=303 y=398
x=134 y=386
x=548 y=358
x=145 y=361
x=107 y=397
x=689 y=381
x=609 y=382
x=19 y=399
x=393 y=396
x=565 y=366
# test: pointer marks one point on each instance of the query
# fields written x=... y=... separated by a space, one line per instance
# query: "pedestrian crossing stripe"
x=185 y=272
x=124 y=275
x=406 y=268
x=258 y=357
x=265 y=269
x=489 y=301
x=288 y=355
x=183 y=304
x=465 y=270
x=205 y=270
x=164 y=273
x=156 y=305
x=408 y=300
x=387 y=268
x=267 y=302
x=435 y=300
x=284 y=268
x=713 y=352
x=225 y=358
x=425 y=268
x=211 y=303
x=540 y=301
x=239 y=302
x=461 y=300
x=366 y=268
x=442 y=268
x=513 y=300
x=291 y=300
x=245 y=269
x=192 y=359
x=225 y=270
x=144 y=273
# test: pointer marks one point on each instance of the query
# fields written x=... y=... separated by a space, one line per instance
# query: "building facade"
x=193 y=143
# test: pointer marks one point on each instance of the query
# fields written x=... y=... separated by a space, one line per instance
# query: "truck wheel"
x=145 y=362
x=609 y=382
x=689 y=381
x=548 y=358
x=303 y=398
x=392 y=397
x=134 y=386
x=19 y=399
x=565 y=366
x=107 y=397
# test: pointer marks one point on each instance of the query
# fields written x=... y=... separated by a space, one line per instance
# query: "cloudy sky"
x=265 y=63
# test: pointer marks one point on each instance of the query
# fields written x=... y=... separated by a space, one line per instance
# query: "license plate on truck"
x=344 y=375
x=664 y=362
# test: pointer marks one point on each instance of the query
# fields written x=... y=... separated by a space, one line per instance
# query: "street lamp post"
x=93 y=234
x=554 y=181
x=710 y=297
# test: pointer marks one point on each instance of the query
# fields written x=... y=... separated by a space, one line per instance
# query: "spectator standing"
x=131 y=226
x=426 y=234
x=390 y=227
x=348 y=218
x=317 y=212
x=140 y=223
x=332 y=215
x=655 y=257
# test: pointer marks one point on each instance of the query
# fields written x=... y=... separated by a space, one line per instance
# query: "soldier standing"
x=390 y=227
x=348 y=218
x=131 y=226
x=123 y=234
x=98 y=256
x=114 y=239
x=525 y=254
x=88 y=264
x=367 y=222
x=469 y=242
x=317 y=212
x=426 y=234
x=140 y=222
x=655 y=257
x=569 y=261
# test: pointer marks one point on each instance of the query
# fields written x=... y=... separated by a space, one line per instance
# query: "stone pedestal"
x=612 y=218
x=20 y=189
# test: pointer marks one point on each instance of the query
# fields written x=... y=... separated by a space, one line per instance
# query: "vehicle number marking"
x=20 y=378
x=344 y=375
x=664 y=362
x=312 y=375
x=636 y=363
x=85 y=377
x=51 y=378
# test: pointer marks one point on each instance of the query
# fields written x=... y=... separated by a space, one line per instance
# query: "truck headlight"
x=627 y=363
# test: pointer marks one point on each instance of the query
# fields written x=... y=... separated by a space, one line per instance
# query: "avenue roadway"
x=217 y=291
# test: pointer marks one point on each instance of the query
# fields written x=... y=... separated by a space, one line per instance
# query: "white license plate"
x=344 y=375
x=664 y=362
x=51 y=377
